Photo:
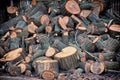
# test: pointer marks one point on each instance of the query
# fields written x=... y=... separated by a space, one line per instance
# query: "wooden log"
x=65 y=37
x=29 y=58
x=111 y=44
x=93 y=17
x=85 y=13
x=13 y=70
x=50 y=52
x=114 y=31
x=56 y=28
x=24 y=67
x=98 y=28
x=68 y=21
x=72 y=7
x=12 y=55
x=41 y=28
x=13 y=34
x=48 y=75
x=44 y=19
x=34 y=2
x=15 y=43
x=38 y=53
x=76 y=19
x=85 y=66
x=58 y=44
x=97 y=67
x=50 y=65
x=2 y=52
x=21 y=24
x=48 y=29
x=43 y=40
x=68 y=58
x=34 y=65
x=24 y=34
x=28 y=73
x=32 y=28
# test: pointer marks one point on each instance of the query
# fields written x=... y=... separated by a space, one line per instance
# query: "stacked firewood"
x=60 y=35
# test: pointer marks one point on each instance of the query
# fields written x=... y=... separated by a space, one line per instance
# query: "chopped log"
x=29 y=58
x=48 y=29
x=44 y=19
x=15 y=43
x=41 y=28
x=24 y=67
x=13 y=34
x=97 y=67
x=38 y=53
x=21 y=24
x=85 y=13
x=59 y=45
x=114 y=31
x=57 y=28
x=111 y=44
x=62 y=24
x=48 y=75
x=28 y=73
x=72 y=7
x=24 y=34
x=34 y=2
x=2 y=52
x=43 y=65
x=65 y=37
x=13 y=70
x=34 y=65
x=68 y=58
x=93 y=17
x=85 y=66
x=11 y=9
x=12 y=55
x=109 y=65
x=76 y=19
x=68 y=21
x=50 y=52
x=43 y=39
x=32 y=28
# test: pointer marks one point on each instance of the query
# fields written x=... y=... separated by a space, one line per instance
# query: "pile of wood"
x=60 y=35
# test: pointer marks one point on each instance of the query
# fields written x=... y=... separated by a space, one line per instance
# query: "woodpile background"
x=52 y=38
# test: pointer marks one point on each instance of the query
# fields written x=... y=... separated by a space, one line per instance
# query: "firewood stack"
x=60 y=35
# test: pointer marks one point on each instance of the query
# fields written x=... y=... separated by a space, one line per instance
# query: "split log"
x=93 y=17
x=43 y=39
x=111 y=44
x=68 y=58
x=109 y=65
x=2 y=52
x=32 y=28
x=98 y=28
x=85 y=66
x=34 y=2
x=71 y=7
x=38 y=53
x=28 y=73
x=68 y=21
x=21 y=24
x=13 y=34
x=50 y=52
x=29 y=58
x=114 y=31
x=46 y=65
x=85 y=13
x=65 y=37
x=58 y=44
x=24 y=67
x=97 y=67
x=14 y=55
x=15 y=43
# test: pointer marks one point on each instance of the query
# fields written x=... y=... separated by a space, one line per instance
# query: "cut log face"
x=62 y=24
x=50 y=52
x=48 y=75
x=68 y=58
x=48 y=28
x=32 y=28
x=50 y=65
x=85 y=13
x=34 y=2
x=85 y=66
x=97 y=67
x=72 y=7
x=12 y=55
x=115 y=28
x=11 y=10
x=44 y=19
